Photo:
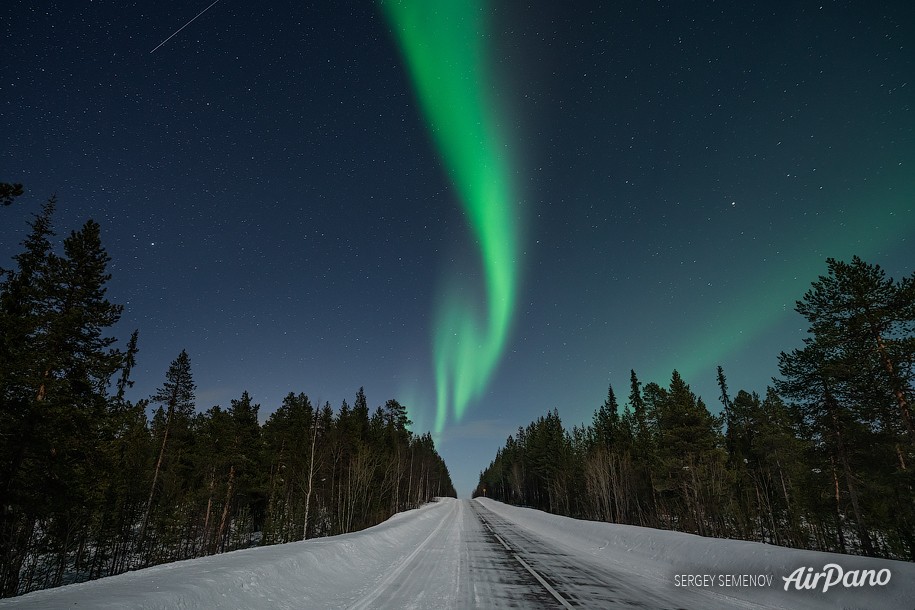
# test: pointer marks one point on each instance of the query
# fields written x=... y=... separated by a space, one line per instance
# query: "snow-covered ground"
x=444 y=556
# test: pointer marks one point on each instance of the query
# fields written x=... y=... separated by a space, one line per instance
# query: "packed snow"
x=462 y=554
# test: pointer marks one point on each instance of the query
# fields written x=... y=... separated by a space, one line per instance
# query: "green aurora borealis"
x=445 y=50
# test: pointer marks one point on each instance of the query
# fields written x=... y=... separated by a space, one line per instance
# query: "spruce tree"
x=177 y=397
x=607 y=420
x=25 y=311
x=56 y=365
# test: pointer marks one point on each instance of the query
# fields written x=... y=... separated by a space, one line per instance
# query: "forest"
x=824 y=460
x=94 y=484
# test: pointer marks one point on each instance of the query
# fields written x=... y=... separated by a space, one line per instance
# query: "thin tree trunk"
x=225 y=509
x=897 y=390
x=835 y=478
x=152 y=488
x=852 y=491
x=410 y=480
x=206 y=521
x=311 y=475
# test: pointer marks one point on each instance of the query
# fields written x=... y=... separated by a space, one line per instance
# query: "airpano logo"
x=833 y=575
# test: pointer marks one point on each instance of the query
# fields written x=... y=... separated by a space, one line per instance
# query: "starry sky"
x=483 y=209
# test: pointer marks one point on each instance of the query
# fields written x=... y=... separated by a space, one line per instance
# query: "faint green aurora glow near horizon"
x=772 y=297
x=444 y=47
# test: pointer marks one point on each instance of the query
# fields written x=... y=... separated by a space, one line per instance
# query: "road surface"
x=477 y=559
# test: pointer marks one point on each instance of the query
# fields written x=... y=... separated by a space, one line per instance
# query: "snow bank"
x=332 y=572
x=663 y=555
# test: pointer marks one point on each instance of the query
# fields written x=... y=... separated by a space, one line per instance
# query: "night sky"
x=485 y=211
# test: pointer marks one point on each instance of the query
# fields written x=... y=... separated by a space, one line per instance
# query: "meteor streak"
x=184 y=26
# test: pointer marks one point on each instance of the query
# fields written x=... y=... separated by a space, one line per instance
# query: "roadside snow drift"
x=333 y=572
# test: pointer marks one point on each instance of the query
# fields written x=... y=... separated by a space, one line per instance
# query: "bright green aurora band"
x=444 y=45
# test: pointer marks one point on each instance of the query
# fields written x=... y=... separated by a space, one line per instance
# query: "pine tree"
x=177 y=396
x=637 y=403
x=778 y=459
x=25 y=311
x=816 y=379
x=691 y=461
x=25 y=296
x=607 y=420
x=56 y=365
x=241 y=459
x=856 y=308
x=643 y=452
x=729 y=419
x=606 y=462
x=287 y=436
x=851 y=386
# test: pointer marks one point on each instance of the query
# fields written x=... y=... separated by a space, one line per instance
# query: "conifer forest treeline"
x=825 y=460
x=91 y=485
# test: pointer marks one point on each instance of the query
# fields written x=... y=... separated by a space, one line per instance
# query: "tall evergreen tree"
x=857 y=309
x=851 y=385
x=816 y=380
x=25 y=311
x=56 y=365
x=607 y=420
x=177 y=397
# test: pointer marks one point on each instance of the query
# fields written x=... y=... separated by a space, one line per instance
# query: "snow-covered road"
x=482 y=554
x=458 y=565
